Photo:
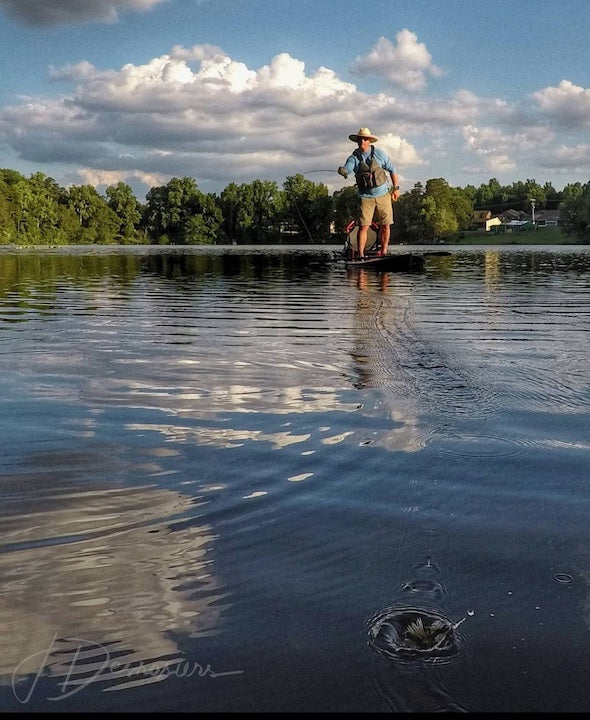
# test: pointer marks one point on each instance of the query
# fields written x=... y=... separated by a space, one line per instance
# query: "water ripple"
x=481 y=446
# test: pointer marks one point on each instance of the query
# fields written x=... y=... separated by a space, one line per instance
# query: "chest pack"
x=369 y=174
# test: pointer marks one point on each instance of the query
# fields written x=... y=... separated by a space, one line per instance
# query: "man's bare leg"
x=384 y=238
x=362 y=238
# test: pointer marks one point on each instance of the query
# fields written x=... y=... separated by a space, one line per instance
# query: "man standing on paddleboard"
x=377 y=184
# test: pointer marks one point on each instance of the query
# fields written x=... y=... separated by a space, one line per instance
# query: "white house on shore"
x=513 y=219
x=484 y=220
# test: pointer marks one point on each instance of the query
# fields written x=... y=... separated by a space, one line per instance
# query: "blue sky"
x=98 y=91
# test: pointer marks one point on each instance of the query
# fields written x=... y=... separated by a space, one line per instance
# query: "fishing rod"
x=312 y=171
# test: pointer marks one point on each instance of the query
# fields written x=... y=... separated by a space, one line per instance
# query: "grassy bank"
x=540 y=236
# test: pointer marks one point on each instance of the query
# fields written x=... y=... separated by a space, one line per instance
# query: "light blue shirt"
x=381 y=158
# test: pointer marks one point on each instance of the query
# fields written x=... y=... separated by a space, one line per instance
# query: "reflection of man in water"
x=380 y=324
x=377 y=184
x=363 y=277
x=370 y=286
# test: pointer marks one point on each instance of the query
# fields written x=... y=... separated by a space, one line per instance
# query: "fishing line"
x=301 y=217
x=307 y=172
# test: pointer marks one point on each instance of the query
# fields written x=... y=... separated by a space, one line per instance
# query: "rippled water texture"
x=247 y=479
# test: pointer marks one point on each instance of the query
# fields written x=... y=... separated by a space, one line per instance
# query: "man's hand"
x=342 y=171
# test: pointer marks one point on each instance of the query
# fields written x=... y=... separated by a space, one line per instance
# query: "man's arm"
x=395 y=183
x=348 y=167
x=388 y=165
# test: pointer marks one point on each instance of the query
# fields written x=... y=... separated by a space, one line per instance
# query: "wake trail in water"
x=417 y=367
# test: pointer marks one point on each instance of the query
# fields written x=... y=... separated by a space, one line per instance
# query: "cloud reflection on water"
x=109 y=565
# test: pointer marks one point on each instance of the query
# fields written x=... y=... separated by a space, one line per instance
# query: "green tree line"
x=38 y=211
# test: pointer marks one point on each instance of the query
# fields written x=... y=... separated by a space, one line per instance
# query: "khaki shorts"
x=378 y=209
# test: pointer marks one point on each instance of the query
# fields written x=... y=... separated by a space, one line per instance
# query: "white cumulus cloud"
x=567 y=104
x=198 y=112
x=404 y=65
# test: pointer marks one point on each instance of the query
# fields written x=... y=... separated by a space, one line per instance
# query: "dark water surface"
x=231 y=478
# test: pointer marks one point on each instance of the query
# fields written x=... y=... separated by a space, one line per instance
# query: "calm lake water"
x=231 y=479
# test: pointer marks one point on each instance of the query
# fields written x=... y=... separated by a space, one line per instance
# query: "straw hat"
x=363 y=133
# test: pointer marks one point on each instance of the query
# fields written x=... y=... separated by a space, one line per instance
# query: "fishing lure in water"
x=430 y=637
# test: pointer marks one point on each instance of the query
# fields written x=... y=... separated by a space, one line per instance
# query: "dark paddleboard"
x=398 y=262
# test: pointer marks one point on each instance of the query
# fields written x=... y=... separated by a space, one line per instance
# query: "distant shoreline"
x=540 y=236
